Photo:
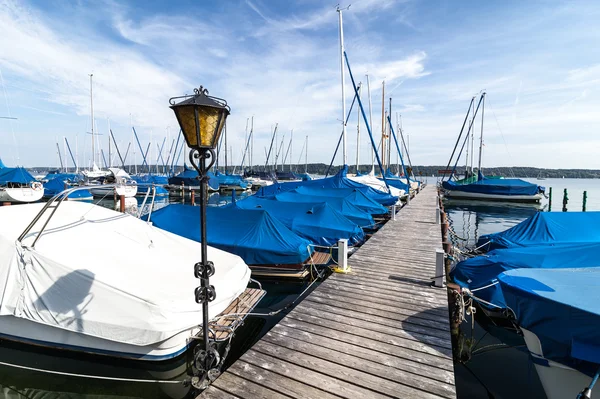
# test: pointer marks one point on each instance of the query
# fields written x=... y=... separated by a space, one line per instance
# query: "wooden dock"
x=381 y=331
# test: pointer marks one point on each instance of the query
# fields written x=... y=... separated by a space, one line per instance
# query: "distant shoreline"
x=418 y=170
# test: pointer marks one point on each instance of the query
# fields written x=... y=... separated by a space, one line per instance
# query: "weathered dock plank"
x=380 y=331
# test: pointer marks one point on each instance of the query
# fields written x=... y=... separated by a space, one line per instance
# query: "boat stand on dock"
x=378 y=331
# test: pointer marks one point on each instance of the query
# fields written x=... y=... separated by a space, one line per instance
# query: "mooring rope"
x=95 y=377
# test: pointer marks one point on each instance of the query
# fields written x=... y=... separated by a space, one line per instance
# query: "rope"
x=485 y=286
x=96 y=377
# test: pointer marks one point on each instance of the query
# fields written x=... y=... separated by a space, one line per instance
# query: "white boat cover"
x=106 y=274
x=373 y=182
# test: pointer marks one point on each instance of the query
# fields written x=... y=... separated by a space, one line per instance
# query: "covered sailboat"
x=480 y=273
x=494 y=189
x=317 y=222
x=482 y=187
x=65 y=181
x=189 y=177
x=558 y=311
x=339 y=180
x=547 y=228
x=132 y=299
x=255 y=236
x=18 y=185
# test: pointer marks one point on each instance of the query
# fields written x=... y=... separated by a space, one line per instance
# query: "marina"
x=259 y=199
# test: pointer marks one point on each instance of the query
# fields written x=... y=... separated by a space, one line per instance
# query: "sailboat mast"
x=473 y=140
x=358 y=132
x=92 y=112
x=370 y=122
x=306 y=157
x=226 y=147
x=481 y=135
x=389 y=135
x=291 y=148
x=342 y=68
x=383 y=125
x=252 y=144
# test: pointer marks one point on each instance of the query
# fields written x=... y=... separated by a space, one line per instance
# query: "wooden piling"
x=122 y=203
x=193 y=197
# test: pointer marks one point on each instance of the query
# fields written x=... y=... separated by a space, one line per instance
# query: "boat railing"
x=49 y=209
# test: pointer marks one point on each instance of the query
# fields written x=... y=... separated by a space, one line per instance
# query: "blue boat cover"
x=189 y=177
x=547 y=228
x=353 y=195
x=486 y=185
x=560 y=306
x=57 y=185
x=255 y=236
x=342 y=205
x=15 y=175
x=231 y=180
x=151 y=179
x=482 y=271
x=337 y=181
x=319 y=223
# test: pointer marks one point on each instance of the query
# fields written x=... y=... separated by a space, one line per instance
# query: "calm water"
x=498 y=365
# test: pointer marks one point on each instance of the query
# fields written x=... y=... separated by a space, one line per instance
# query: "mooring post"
x=565 y=200
x=550 y=200
x=193 y=197
x=584 y=205
x=6 y=203
x=122 y=203
x=438 y=280
x=343 y=255
x=394 y=212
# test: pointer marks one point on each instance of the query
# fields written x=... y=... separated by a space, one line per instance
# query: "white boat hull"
x=21 y=195
x=29 y=332
x=128 y=191
x=492 y=197
x=559 y=381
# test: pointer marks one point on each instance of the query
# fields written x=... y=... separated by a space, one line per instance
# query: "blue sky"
x=279 y=62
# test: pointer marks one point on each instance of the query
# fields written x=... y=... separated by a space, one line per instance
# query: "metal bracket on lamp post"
x=206 y=358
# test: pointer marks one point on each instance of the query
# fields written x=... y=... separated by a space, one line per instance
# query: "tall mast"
x=358 y=132
x=252 y=144
x=245 y=141
x=481 y=136
x=472 y=141
x=383 y=125
x=109 y=158
x=371 y=123
x=92 y=111
x=291 y=148
x=342 y=68
x=306 y=157
x=389 y=135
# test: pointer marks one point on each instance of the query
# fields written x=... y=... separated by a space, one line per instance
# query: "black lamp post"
x=201 y=118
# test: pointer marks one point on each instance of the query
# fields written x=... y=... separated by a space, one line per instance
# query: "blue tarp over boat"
x=189 y=177
x=231 y=180
x=255 y=236
x=560 y=306
x=342 y=205
x=319 y=223
x=484 y=185
x=482 y=271
x=17 y=175
x=353 y=195
x=2 y=164
x=337 y=181
x=57 y=185
x=152 y=179
x=547 y=228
